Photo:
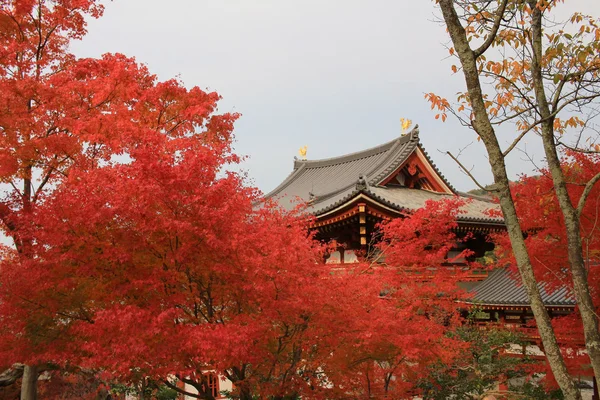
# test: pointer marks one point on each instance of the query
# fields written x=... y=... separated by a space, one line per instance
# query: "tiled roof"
x=502 y=287
x=329 y=183
x=412 y=199
x=328 y=177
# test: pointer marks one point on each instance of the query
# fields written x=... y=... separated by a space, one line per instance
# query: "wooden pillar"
x=180 y=385
x=362 y=222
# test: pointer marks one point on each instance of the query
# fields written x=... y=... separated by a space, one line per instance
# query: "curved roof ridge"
x=390 y=162
x=359 y=154
x=355 y=184
x=387 y=151
x=436 y=169
x=396 y=157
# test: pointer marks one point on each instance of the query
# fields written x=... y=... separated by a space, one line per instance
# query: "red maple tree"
x=59 y=114
x=137 y=255
x=394 y=311
x=159 y=267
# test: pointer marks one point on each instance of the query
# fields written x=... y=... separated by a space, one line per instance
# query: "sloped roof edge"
x=367 y=192
x=396 y=148
x=437 y=170
x=501 y=287
x=395 y=158
x=324 y=162
x=290 y=178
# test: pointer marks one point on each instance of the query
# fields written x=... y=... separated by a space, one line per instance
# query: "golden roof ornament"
x=405 y=123
x=302 y=152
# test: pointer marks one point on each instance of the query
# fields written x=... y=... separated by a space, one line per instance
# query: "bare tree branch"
x=586 y=192
x=492 y=35
x=517 y=140
x=577 y=149
x=466 y=171
x=179 y=390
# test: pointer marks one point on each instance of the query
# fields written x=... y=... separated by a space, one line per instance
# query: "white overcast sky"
x=333 y=75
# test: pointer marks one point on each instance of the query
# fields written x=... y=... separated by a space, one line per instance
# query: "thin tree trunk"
x=486 y=132
x=575 y=252
x=245 y=394
x=29 y=383
x=570 y=213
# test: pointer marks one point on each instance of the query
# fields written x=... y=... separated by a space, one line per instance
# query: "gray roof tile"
x=502 y=287
x=413 y=199
x=333 y=182
x=329 y=177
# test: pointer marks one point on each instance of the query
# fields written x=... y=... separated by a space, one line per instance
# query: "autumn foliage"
x=157 y=267
x=541 y=219
x=540 y=216
x=528 y=74
x=136 y=255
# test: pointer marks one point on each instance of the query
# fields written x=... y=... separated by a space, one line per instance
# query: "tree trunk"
x=245 y=394
x=238 y=377
x=486 y=132
x=571 y=215
x=29 y=383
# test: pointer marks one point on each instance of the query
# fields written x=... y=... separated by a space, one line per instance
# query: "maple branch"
x=518 y=139
x=16 y=189
x=5 y=213
x=177 y=125
x=12 y=17
x=586 y=192
x=43 y=45
x=11 y=375
x=492 y=35
x=466 y=171
x=182 y=391
x=36 y=193
x=85 y=318
x=361 y=360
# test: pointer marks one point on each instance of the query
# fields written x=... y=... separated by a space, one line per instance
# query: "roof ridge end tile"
x=397 y=156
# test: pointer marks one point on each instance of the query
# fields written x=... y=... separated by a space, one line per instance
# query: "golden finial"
x=302 y=152
x=406 y=123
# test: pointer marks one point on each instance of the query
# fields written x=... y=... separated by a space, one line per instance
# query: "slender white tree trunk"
x=29 y=384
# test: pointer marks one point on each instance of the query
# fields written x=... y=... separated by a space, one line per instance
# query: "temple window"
x=212 y=382
x=350 y=257
x=334 y=258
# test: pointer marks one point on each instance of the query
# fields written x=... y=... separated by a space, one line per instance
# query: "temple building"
x=351 y=194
